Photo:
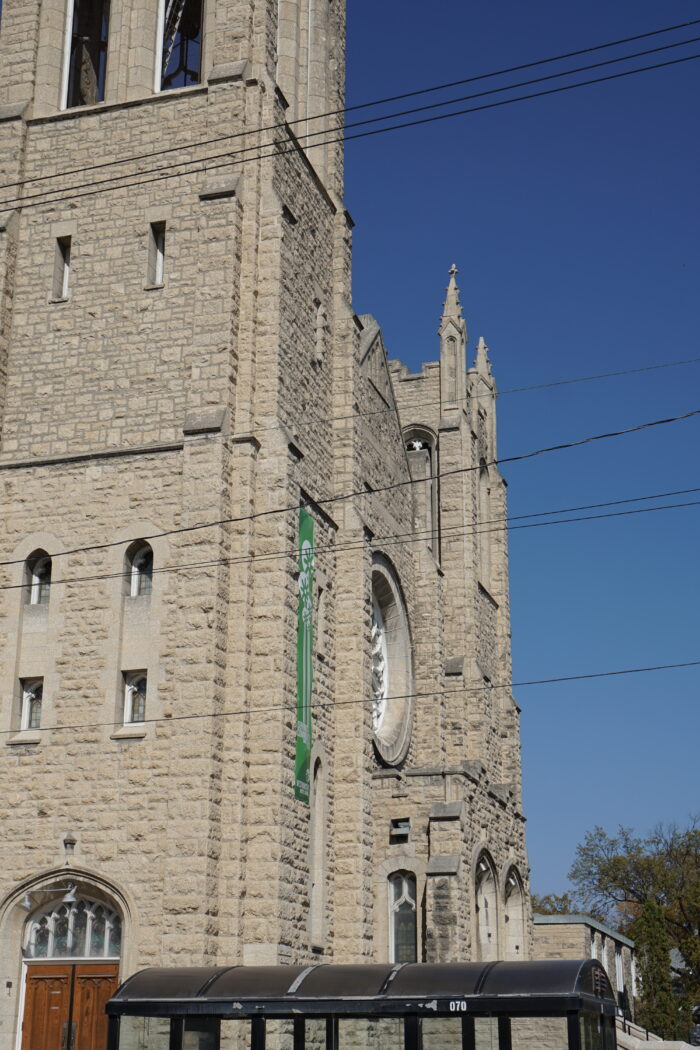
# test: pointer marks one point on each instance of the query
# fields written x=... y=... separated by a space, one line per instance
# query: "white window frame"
x=36 y=583
x=137 y=573
x=60 y=289
x=65 y=67
x=131 y=680
x=156 y=254
x=159 y=252
x=29 y=687
x=619 y=970
x=158 y=65
x=64 y=247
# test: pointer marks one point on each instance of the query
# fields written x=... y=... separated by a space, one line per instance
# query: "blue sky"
x=575 y=223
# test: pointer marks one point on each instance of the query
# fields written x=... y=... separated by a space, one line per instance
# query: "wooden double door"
x=64 y=1005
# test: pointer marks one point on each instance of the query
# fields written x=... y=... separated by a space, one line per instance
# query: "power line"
x=371 y=492
x=359 y=414
x=320 y=705
x=363 y=105
x=278 y=151
x=228 y=155
x=599 y=375
x=397 y=539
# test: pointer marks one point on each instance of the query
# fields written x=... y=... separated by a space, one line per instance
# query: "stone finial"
x=452 y=309
x=453 y=341
x=483 y=364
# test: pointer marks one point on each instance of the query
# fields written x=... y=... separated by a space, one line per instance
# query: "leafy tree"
x=638 y=885
x=553 y=904
x=658 y=1007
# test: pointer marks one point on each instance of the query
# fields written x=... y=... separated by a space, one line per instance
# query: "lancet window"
x=139 y=569
x=422 y=457
x=403 y=926
x=32 y=697
x=486 y=910
x=514 y=918
x=485 y=525
x=38 y=578
x=135 y=686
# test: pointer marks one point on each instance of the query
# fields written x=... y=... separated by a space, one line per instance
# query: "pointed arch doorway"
x=71 y=949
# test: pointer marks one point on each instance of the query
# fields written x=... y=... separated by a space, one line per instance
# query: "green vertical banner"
x=305 y=654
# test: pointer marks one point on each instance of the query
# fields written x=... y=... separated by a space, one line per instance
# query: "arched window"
x=486 y=910
x=73 y=928
x=135 y=685
x=485 y=525
x=32 y=697
x=514 y=917
x=391 y=666
x=422 y=459
x=403 y=926
x=139 y=569
x=38 y=578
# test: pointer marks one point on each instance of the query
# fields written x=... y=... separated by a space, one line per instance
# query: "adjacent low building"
x=581 y=937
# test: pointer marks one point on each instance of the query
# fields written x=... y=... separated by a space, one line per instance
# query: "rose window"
x=391 y=666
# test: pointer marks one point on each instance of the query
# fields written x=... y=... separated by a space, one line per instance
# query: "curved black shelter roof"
x=535 y=988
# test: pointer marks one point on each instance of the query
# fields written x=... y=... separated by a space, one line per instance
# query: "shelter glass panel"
x=279 y=1034
x=370 y=1033
x=539 y=1033
x=235 y=1035
x=591 y=1032
x=201 y=1033
x=441 y=1033
x=315 y=1033
x=144 y=1033
x=486 y=1033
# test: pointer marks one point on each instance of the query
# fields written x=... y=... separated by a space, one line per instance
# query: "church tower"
x=465 y=787
x=254 y=636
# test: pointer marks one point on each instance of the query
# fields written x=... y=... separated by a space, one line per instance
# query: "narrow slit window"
x=32 y=697
x=86 y=59
x=135 y=684
x=139 y=570
x=181 y=44
x=403 y=940
x=61 y=268
x=38 y=578
x=156 y=254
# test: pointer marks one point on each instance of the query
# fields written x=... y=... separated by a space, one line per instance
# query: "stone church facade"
x=181 y=370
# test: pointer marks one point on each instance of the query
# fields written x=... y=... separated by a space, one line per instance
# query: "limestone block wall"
x=477 y=624
x=119 y=353
x=461 y=788
x=201 y=411
x=140 y=802
x=454 y=817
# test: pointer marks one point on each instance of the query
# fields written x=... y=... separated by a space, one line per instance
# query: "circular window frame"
x=391 y=732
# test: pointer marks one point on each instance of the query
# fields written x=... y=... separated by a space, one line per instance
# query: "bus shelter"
x=548 y=1005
